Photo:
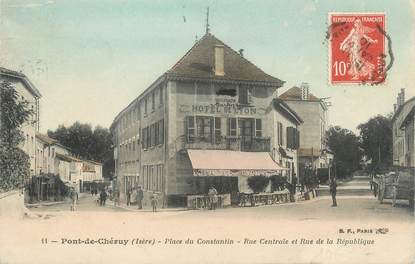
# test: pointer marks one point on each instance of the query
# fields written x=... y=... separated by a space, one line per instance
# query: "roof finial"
x=207 y=21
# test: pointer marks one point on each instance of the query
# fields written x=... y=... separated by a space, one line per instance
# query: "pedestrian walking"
x=333 y=191
x=92 y=192
x=213 y=198
x=154 y=201
x=140 y=196
x=102 y=197
x=73 y=197
x=128 y=197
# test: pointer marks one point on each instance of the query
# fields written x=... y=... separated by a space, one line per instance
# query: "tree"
x=258 y=183
x=346 y=147
x=376 y=140
x=88 y=143
x=14 y=163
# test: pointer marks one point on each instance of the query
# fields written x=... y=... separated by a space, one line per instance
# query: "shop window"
x=258 y=127
x=232 y=127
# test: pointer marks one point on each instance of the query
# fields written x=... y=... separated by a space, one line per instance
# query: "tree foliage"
x=258 y=183
x=346 y=146
x=376 y=140
x=87 y=143
x=278 y=182
x=14 y=163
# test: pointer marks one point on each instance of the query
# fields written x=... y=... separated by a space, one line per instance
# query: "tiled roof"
x=29 y=85
x=67 y=157
x=281 y=106
x=198 y=62
x=46 y=139
x=295 y=94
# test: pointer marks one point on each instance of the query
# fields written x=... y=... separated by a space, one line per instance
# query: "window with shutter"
x=204 y=128
x=190 y=129
x=161 y=132
x=156 y=133
x=232 y=127
x=243 y=95
x=280 y=135
x=148 y=137
x=218 y=136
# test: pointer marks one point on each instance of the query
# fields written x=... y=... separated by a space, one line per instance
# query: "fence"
x=264 y=198
x=203 y=201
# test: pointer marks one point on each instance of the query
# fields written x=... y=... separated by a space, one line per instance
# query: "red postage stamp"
x=357 y=48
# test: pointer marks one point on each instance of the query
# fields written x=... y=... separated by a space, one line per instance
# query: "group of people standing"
x=136 y=195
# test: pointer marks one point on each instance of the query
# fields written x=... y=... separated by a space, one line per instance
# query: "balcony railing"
x=255 y=144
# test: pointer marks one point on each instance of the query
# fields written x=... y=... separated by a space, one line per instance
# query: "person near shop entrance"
x=154 y=201
x=128 y=197
x=140 y=196
x=213 y=197
x=333 y=191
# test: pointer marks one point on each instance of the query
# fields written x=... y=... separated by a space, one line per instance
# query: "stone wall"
x=12 y=205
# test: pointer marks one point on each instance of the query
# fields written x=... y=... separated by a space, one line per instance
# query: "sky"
x=90 y=59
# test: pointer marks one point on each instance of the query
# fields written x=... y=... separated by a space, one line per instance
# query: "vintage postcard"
x=207 y=131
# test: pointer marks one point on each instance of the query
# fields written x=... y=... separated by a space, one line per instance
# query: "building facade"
x=27 y=92
x=209 y=120
x=403 y=138
x=313 y=149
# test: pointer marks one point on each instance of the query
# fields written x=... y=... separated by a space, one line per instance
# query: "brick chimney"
x=402 y=96
x=304 y=91
x=219 y=60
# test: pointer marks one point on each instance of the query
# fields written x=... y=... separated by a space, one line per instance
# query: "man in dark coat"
x=333 y=191
x=140 y=196
x=102 y=197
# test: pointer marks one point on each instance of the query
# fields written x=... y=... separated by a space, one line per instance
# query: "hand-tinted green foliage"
x=346 y=146
x=376 y=141
x=14 y=163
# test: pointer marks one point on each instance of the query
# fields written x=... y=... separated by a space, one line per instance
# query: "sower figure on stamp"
x=359 y=66
x=333 y=190
x=140 y=196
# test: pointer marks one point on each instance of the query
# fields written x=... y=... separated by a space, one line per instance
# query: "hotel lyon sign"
x=219 y=108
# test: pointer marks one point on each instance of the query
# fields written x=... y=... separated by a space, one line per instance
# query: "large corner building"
x=212 y=119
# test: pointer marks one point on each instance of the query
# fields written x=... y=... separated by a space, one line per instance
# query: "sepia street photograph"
x=136 y=131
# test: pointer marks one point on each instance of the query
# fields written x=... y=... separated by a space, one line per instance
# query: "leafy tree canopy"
x=346 y=146
x=93 y=144
x=376 y=140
